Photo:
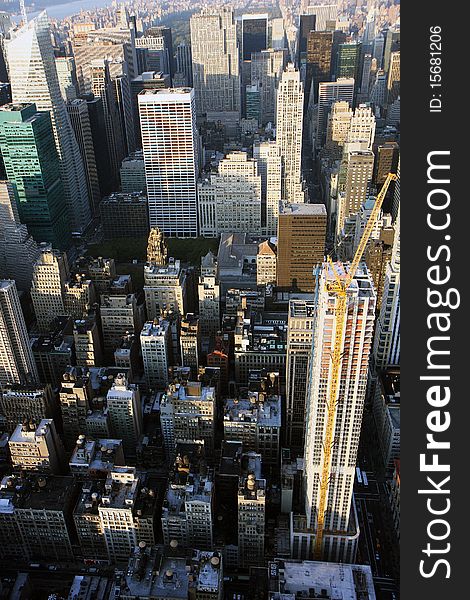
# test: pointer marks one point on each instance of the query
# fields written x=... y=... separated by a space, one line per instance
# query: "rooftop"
x=257 y=408
x=36 y=492
x=28 y=433
x=331 y=581
x=304 y=209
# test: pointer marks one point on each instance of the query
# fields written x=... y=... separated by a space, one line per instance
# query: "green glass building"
x=348 y=61
x=32 y=166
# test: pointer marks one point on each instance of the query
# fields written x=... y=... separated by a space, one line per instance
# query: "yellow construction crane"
x=339 y=287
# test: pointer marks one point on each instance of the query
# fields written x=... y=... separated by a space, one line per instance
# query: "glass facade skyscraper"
x=32 y=166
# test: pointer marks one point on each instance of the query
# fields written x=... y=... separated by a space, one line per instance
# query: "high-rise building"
x=18 y=250
x=80 y=120
x=148 y=80
x=362 y=126
x=120 y=314
x=251 y=517
x=36 y=447
x=329 y=92
x=116 y=45
x=164 y=287
x=393 y=79
x=103 y=87
x=215 y=56
x=170 y=145
x=65 y=66
x=32 y=166
x=190 y=342
x=231 y=201
x=355 y=177
x=154 y=341
x=255 y=420
x=300 y=245
x=318 y=68
x=340 y=520
x=20 y=403
x=187 y=514
x=124 y=215
x=348 y=61
x=387 y=334
x=254 y=34
x=299 y=351
x=188 y=412
x=34 y=79
x=16 y=359
x=184 y=62
x=52 y=351
x=22 y=533
x=125 y=413
x=126 y=510
x=86 y=336
x=133 y=174
x=290 y=104
x=326 y=14
x=268 y=156
x=266 y=69
x=209 y=296
x=75 y=394
x=50 y=274
x=306 y=25
x=277 y=34
x=157 y=44
x=337 y=130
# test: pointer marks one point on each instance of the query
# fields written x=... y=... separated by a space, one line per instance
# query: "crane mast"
x=338 y=287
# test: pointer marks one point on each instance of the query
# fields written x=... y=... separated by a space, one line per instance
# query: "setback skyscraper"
x=33 y=78
x=214 y=47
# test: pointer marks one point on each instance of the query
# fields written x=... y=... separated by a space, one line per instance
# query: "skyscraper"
x=32 y=166
x=254 y=34
x=325 y=14
x=267 y=67
x=319 y=47
x=155 y=343
x=387 y=333
x=355 y=176
x=184 y=62
x=299 y=351
x=329 y=92
x=169 y=142
x=80 y=121
x=16 y=358
x=34 y=78
x=355 y=348
x=268 y=157
x=102 y=87
x=125 y=413
x=290 y=104
x=50 y=275
x=214 y=47
x=18 y=250
x=348 y=60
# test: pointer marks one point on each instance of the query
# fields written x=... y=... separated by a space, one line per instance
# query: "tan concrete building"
x=301 y=245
